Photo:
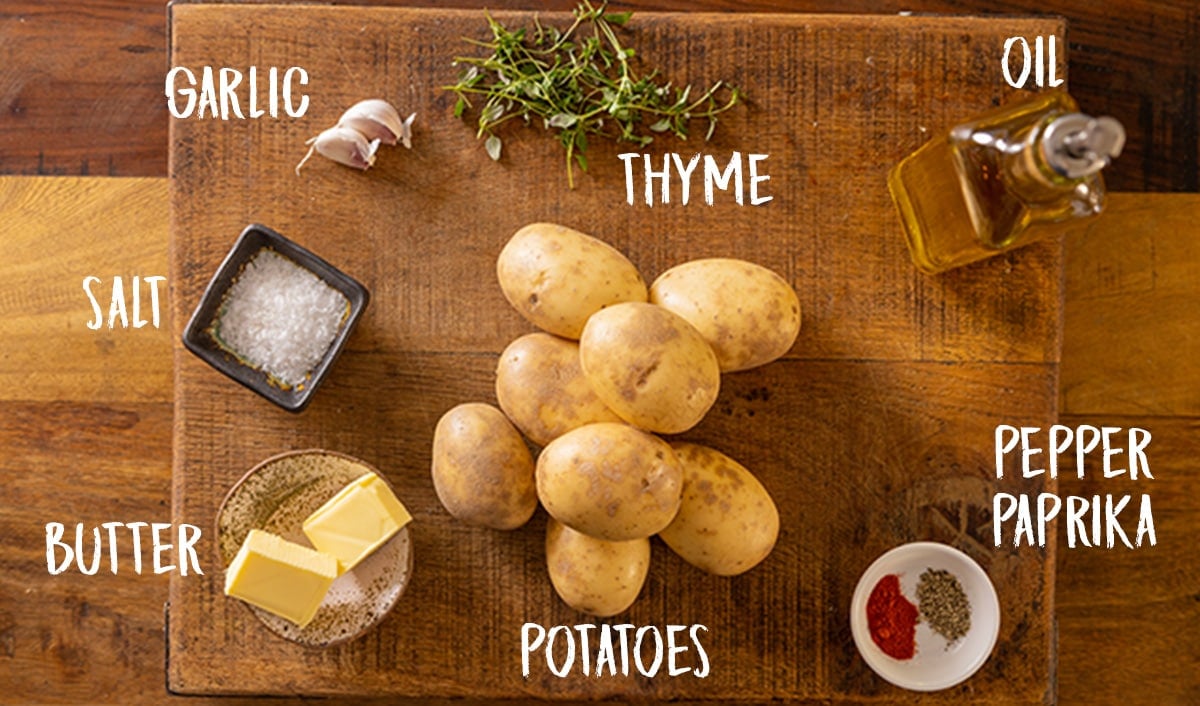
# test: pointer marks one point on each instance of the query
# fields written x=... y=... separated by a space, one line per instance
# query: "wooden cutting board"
x=876 y=429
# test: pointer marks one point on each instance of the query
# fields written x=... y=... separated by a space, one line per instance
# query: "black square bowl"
x=199 y=339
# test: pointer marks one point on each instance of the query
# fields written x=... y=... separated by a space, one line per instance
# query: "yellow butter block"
x=282 y=577
x=356 y=521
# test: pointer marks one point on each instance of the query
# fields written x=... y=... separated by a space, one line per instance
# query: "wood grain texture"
x=1126 y=617
x=85 y=420
x=81 y=88
x=74 y=638
x=897 y=381
x=62 y=75
x=56 y=232
x=1134 y=313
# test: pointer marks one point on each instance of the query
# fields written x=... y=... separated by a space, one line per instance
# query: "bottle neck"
x=1064 y=153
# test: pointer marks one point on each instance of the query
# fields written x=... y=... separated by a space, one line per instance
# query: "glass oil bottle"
x=1023 y=173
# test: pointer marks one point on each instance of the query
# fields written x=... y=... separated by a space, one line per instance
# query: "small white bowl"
x=936 y=664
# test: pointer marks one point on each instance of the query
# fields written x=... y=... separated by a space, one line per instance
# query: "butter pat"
x=284 y=578
x=356 y=521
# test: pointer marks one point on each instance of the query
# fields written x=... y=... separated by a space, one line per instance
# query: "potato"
x=610 y=481
x=482 y=469
x=592 y=575
x=727 y=522
x=557 y=277
x=542 y=388
x=747 y=313
x=649 y=366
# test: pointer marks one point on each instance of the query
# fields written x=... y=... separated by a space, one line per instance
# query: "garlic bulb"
x=359 y=132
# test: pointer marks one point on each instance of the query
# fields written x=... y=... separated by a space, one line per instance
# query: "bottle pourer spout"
x=1077 y=145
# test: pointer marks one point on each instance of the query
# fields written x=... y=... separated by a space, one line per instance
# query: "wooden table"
x=91 y=412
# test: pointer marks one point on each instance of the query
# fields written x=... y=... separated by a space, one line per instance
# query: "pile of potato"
x=616 y=363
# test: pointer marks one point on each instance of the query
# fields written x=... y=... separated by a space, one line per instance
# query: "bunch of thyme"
x=577 y=81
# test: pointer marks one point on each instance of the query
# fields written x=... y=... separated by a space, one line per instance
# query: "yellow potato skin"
x=542 y=389
x=650 y=367
x=727 y=522
x=747 y=313
x=557 y=277
x=482 y=469
x=610 y=481
x=592 y=575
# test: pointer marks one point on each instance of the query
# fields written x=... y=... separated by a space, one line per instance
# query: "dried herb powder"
x=892 y=619
x=943 y=604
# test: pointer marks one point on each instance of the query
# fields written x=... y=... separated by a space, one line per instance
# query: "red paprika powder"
x=892 y=619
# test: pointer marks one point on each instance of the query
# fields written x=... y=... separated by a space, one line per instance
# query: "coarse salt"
x=280 y=317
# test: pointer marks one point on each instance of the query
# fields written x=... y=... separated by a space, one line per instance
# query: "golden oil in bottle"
x=1023 y=173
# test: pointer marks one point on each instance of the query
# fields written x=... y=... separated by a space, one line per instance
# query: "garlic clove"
x=371 y=129
x=377 y=119
x=343 y=145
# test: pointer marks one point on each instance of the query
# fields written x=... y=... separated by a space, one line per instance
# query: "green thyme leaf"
x=492 y=145
x=617 y=18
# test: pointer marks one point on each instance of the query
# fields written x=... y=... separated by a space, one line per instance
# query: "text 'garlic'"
x=359 y=132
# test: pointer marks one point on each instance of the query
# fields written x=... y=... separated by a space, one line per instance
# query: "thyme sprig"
x=580 y=82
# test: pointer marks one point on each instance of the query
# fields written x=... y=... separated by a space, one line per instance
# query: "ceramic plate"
x=277 y=495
